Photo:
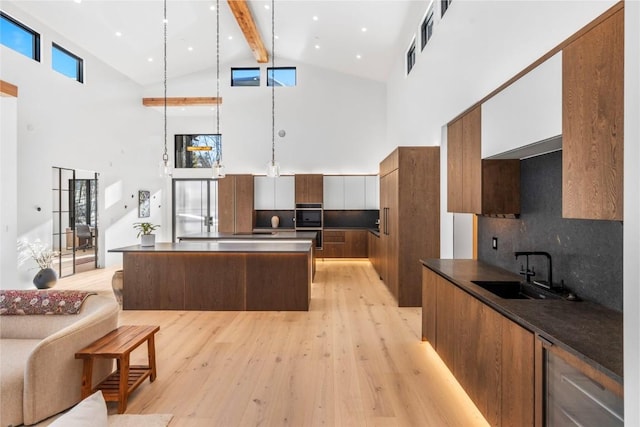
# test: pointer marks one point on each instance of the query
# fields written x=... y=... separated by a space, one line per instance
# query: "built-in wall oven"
x=309 y=217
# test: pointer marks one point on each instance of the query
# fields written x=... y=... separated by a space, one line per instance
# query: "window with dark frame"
x=245 y=76
x=19 y=37
x=66 y=63
x=283 y=76
x=444 y=5
x=411 y=56
x=426 y=29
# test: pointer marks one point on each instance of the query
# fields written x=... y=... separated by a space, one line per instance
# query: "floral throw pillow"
x=23 y=302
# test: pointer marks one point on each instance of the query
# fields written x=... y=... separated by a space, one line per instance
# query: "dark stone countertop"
x=238 y=245
x=590 y=331
x=257 y=234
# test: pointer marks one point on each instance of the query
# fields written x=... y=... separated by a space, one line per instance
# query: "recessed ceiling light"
x=118 y=34
x=266 y=6
x=165 y=21
x=77 y=1
x=315 y=18
x=277 y=37
x=358 y=56
x=212 y=7
x=190 y=48
x=364 y=29
x=317 y=46
x=230 y=37
x=150 y=59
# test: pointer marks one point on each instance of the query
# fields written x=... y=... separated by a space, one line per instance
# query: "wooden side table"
x=118 y=344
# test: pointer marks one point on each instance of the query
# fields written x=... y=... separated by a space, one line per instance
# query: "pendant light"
x=217 y=168
x=273 y=167
x=166 y=169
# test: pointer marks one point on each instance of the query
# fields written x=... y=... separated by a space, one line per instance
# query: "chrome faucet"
x=528 y=273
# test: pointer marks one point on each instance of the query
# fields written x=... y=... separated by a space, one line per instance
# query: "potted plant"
x=43 y=255
x=145 y=230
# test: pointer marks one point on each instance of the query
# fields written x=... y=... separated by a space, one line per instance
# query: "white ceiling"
x=92 y=25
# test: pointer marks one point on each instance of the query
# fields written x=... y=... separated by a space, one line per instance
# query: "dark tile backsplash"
x=351 y=218
x=263 y=218
x=587 y=254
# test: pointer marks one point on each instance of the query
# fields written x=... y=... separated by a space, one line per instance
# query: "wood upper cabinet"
x=475 y=185
x=409 y=219
x=592 y=122
x=491 y=356
x=235 y=204
x=309 y=188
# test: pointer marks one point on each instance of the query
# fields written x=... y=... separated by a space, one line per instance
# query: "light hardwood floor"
x=354 y=359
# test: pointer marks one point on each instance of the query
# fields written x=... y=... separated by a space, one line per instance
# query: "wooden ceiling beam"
x=7 y=89
x=181 y=102
x=244 y=18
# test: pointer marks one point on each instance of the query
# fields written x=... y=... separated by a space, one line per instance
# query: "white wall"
x=631 y=262
x=98 y=126
x=335 y=123
x=8 y=194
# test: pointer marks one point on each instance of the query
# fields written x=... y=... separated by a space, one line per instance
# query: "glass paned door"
x=195 y=206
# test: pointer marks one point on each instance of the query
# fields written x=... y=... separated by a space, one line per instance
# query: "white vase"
x=275 y=221
x=148 y=240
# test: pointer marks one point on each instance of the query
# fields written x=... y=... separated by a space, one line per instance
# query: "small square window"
x=284 y=76
x=67 y=63
x=19 y=37
x=426 y=29
x=411 y=56
x=245 y=77
x=444 y=5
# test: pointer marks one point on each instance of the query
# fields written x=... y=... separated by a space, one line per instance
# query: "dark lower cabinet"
x=344 y=243
x=491 y=356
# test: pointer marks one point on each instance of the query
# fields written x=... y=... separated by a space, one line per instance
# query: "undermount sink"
x=514 y=290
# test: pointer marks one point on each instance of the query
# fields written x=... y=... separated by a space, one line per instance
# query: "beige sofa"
x=39 y=375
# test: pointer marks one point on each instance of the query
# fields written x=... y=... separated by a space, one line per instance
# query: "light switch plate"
x=494 y=243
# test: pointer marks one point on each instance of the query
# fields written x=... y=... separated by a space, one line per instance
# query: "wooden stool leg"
x=123 y=391
x=87 y=375
x=151 y=352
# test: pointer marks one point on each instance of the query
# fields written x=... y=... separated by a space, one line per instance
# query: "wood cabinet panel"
x=454 y=166
x=501 y=186
x=245 y=214
x=491 y=356
x=592 y=122
x=429 y=305
x=345 y=244
x=471 y=161
x=309 y=188
x=446 y=334
x=373 y=248
x=235 y=204
x=518 y=368
x=409 y=220
x=475 y=185
x=272 y=282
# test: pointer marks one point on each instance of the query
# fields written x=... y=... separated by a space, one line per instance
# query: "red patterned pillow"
x=19 y=302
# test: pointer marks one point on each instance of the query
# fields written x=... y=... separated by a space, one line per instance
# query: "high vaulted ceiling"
x=355 y=37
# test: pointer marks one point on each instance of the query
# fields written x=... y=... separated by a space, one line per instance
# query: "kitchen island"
x=218 y=275
x=259 y=235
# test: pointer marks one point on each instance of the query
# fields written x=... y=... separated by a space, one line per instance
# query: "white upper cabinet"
x=274 y=193
x=354 y=192
x=526 y=112
x=372 y=192
x=333 y=192
x=351 y=192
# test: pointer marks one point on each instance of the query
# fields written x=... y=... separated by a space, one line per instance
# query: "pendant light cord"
x=273 y=86
x=219 y=153
x=165 y=156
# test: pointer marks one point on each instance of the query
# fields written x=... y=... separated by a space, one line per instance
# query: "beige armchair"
x=39 y=375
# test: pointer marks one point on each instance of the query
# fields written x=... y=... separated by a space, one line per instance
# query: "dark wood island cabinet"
x=234 y=275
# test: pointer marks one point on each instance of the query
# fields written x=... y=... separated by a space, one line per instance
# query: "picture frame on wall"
x=144 y=204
